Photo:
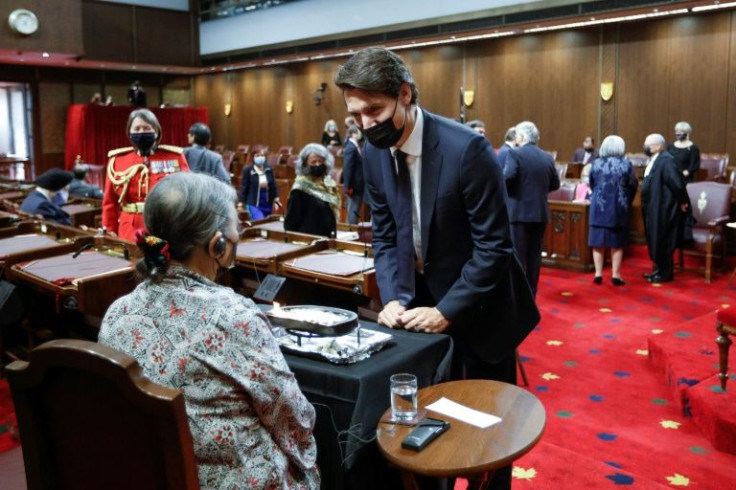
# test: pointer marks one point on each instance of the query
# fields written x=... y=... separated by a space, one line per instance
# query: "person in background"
x=530 y=176
x=251 y=425
x=331 y=137
x=478 y=126
x=441 y=243
x=314 y=200
x=48 y=196
x=96 y=99
x=352 y=174
x=586 y=154
x=687 y=159
x=508 y=143
x=133 y=171
x=663 y=202
x=258 y=191
x=199 y=158
x=136 y=95
x=613 y=185
x=79 y=188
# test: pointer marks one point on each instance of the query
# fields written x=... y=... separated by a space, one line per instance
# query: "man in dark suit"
x=530 y=176
x=352 y=174
x=199 y=158
x=586 y=154
x=49 y=185
x=663 y=201
x=509 y=143
x=80 y=188
x=441 y=240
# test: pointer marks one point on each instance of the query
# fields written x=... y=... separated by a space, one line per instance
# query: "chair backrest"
x=287 y=150
x=709 y=201
x=561 y=170
x=716 y=164
x=259 y=147
x=273 y=159
x=566 y=192
x=89 y=419
x=637 y=159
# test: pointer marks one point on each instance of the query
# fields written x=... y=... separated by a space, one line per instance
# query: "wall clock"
x=23 y=21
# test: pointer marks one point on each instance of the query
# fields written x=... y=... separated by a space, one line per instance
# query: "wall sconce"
x=289 y=106
x=228 y=110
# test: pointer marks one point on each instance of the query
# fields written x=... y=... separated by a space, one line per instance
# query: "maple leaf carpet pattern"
x=612 y=419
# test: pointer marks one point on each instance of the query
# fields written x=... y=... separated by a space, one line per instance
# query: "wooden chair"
x=88 y=419
x=259 y=147
x=273 y=159
x=286 y=150
x=711 y=205
x=716 y=166
x=561 y=170
x=725 y=326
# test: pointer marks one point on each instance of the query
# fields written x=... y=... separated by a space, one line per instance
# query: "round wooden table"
x=465 y=450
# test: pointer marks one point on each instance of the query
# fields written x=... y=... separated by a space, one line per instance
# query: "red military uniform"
x=129 y=178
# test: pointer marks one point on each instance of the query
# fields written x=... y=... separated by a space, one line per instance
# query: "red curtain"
x=93 y=130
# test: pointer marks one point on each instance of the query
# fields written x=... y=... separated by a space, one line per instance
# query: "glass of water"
x=403 y=396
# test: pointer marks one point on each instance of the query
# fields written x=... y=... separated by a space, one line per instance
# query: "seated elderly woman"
x=251 y=424
x=314 y=200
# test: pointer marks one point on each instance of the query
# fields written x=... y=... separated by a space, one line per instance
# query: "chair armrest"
x=718 y=221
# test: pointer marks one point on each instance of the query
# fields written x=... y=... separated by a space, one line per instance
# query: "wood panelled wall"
x=664 y=71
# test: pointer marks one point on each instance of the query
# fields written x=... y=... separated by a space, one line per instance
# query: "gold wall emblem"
x=289 y=106
x=468 y=97
x=228 y=110
x=606 y=91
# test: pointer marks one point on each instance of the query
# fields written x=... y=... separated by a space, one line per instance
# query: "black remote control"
x=425 y=432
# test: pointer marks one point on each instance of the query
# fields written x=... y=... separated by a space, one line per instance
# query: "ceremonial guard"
x=133 y=171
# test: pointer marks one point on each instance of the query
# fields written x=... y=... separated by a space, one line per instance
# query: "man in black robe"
x=663 y=202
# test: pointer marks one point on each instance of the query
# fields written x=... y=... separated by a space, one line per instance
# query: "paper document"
x=463 y=413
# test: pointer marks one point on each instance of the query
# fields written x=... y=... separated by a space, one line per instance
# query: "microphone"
x=84 y=247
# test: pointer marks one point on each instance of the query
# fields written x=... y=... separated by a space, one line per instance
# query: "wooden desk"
x=28 y=240
x=465 y=450
x=565 y=242
x=93 y=270
x=83 y=212
x=7 y=219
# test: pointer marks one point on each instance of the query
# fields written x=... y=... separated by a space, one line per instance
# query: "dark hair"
x=185 y=210
x=475 y=123
x=201 y=133
x=376 y=70
x=80 y=171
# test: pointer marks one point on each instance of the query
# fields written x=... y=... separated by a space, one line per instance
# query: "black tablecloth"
x=353 y=397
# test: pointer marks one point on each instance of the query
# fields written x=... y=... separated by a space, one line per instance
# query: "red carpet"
x=612 y=420
x=8 y=425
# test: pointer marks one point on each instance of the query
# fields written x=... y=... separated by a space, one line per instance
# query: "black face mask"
x=144 y=142
x=648 y=151
x=318 y=170
x=384 y=134
x=681 y=136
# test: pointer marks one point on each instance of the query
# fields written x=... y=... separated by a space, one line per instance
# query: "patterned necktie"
x=404 y=232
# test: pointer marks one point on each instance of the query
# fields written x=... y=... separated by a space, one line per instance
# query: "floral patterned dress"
x=250 y=422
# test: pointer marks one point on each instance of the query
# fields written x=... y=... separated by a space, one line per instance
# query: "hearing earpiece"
x=220 y=246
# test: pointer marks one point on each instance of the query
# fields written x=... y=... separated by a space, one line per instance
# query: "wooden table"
x=465 y=450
